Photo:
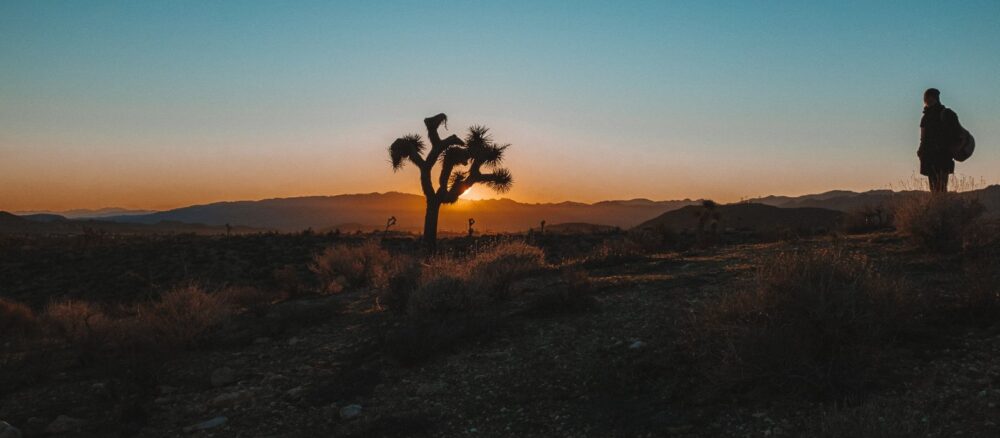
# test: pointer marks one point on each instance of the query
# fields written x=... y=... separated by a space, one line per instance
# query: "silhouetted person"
x=938 y=131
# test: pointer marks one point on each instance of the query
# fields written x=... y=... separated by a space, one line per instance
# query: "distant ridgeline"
x=368 y=212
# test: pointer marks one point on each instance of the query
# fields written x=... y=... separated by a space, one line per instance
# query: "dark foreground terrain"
x=608 y=340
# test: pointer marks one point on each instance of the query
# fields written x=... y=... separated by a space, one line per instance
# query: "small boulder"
x=637 y=345
x=350 y=411
x=8 y=431
x=231 y=398
x=64 y=424
x=207 y=424
x=223 y=376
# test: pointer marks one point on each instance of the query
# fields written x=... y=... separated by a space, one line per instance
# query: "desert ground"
x=875 y=332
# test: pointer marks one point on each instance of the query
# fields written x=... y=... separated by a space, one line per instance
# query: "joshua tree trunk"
x=431 y=224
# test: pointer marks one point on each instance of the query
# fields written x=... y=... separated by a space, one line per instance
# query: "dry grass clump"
x=446 y=300
x=180 y=317
x=345 y=266
x=494 y=270
x=17 y=320
x=812 y=322
x=616 y=251
x=251 y=299
x=82 y=325
x=489 y=275
x=869 y=218
x=937 y=221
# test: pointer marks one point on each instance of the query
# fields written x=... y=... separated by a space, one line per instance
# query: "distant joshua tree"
x=708 y=215
x=541 y=230
x=388 y=223
x=478 y=151
x=471 y=223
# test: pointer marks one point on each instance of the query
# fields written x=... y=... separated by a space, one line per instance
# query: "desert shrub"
x=868 y=218
x=811 y=322
x=613 y=251
x=447 y=300
x=657 y=238
x=179 y=318
x=343 y=266
x=440 y=314
x=248 y=298
x=82 y=325
x=939 y=221
x=17 y=320
x=443 y=297
x=402 y=284
x=494 y=270
x=288 y=280
x=573 y=295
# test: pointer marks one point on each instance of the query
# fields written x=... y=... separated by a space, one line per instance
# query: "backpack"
x=964 y=144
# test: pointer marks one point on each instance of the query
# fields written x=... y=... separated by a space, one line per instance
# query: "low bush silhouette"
x=447 y=300
x=80 y=324
x=937 y=222
x=180 y=317
x=812 y=322
x=17 y=320
x=344 y=266
x=494 y=271
x=251 y=299
x=869 y=218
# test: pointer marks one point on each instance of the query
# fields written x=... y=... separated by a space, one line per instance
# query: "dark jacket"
x=939 y=131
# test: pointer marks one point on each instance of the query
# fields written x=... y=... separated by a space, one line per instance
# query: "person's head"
x=932 y=97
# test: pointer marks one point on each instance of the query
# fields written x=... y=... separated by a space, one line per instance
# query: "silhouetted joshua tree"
x=471 y=223
x=541 y=230
x=462 y=165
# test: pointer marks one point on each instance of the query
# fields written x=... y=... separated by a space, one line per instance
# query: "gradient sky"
x=159 y=104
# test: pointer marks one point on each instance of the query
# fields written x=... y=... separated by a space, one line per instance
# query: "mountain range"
x=370 y=211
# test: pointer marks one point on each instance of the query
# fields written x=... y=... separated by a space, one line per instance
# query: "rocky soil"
x=621 y=367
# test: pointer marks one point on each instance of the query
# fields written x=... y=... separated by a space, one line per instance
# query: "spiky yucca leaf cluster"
x=462 y=161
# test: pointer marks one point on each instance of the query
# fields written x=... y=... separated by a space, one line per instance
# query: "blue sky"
x=160 y=104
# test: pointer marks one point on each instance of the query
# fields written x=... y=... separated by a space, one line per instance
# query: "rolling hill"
x=370 y=211
x=55 y=224
x=757 y=217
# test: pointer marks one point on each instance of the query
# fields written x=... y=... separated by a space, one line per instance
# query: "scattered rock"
x=293 y=341
x=295 y=393
x=64 y=424
x=230 y=398
x=636 y=345
x=8 y=431
x=208 y=424
x=350 y=411
x=223 y=376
